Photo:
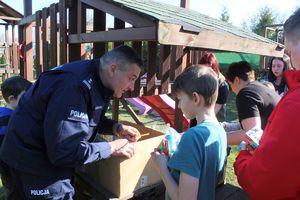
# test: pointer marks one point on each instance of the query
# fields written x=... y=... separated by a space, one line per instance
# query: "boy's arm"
x=187 y=188
x=235 y=137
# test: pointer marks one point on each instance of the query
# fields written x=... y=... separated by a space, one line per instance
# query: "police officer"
x=52 y=130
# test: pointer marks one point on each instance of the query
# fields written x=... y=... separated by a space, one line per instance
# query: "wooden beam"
x=26 y=20
x=118 y=12
x=171 y=34
x=164 y=66
x=62 y=8
x=99 y=25
x=10 y=18
x=53 y=36
x=127 y=34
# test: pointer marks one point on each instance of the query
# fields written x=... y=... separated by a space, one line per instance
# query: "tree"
x=224 y=15
x=264 y=17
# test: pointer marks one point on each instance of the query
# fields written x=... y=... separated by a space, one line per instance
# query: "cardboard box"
x=123 y=176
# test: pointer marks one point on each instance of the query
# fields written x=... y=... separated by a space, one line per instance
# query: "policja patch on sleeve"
x=76 y=114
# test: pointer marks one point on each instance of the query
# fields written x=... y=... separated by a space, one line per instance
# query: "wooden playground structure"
x=179 y=34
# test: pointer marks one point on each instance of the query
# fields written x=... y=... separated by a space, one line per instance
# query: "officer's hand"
x=122 y=147
x=128 y=132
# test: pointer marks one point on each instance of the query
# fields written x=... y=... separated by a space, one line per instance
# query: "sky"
x=240 y=11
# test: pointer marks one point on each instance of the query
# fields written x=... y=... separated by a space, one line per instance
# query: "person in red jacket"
x=272 y=170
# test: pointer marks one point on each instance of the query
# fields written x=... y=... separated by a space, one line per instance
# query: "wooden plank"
x=137 y=46
x=38 y=42
x=45 y=65
x=164 y=66
x=126 y=15
x=28 y=53
x=151 y=68
x=62 y=8
x=131 y=112
x=82 y=16
x=15 y=62
x=74 y=49
x=21 y=39
x=128 y=34
x=99 y=25
x=10 y=18
x=26 y=20
x=171 y=34
x=53 y=36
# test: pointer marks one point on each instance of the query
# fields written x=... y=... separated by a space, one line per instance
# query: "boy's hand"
x=160 y=160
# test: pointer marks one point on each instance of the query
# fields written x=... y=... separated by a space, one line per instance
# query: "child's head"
x=197 y=86
x=12 y=89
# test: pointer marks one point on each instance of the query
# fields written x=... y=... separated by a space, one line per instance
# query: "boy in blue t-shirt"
x=12 y=89
x=196 y=167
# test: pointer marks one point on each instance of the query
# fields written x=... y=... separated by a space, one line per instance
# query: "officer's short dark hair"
x=242 y=70
x=14 y=86
x=292 y=25
x=200 y=79
x=122 y=55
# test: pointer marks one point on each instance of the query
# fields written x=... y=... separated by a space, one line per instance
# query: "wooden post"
x=21 y=38
x=165 y=61
x=137 y=46
x=7 y=53
x=99 y=25
x=27 y=7
x=62 y=7
x=82 y=28
x=28 y=53
x=53 y=36
x=185 y=3
x=45 y=65
x=74 y=49
x=151 y=68
x=38 y=42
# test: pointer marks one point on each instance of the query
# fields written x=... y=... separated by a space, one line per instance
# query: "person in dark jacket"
x=52 y=130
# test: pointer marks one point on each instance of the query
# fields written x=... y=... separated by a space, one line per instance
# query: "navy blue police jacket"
x=51 y=131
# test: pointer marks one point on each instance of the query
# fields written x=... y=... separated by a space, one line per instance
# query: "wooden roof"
x=172 y=25
x=8 y=14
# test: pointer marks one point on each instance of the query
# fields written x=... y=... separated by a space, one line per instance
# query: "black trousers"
x=21 y=186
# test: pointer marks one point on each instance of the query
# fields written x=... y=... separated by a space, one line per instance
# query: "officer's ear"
x=112 y=69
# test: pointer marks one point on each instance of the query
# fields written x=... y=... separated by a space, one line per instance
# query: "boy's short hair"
x=200 y=79
x=14 y=86
x=242 y=70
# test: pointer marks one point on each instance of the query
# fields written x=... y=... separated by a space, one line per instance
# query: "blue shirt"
x=5 y=114
x=51 y=132
x=201 y=153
